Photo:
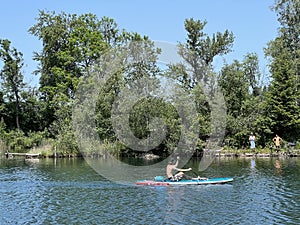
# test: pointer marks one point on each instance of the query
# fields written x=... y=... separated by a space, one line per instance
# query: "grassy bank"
x=265 y=152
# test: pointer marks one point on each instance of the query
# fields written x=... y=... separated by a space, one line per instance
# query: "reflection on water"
x=253 y=164
x=68 y=191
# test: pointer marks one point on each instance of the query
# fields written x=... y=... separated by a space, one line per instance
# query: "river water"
x=69 y=191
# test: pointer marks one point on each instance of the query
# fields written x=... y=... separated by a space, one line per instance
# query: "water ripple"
x=47 y=195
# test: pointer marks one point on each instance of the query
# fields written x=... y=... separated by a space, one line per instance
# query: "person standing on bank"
x=277 y=140
x=252 y=141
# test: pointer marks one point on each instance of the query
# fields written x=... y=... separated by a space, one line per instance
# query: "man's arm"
x=184 y=170
x=176 y=164
x=180 y=170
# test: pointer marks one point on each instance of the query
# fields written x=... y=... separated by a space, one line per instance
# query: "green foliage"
x=19 y=106
x=146 y=111
x=72 y=45
x=65 y=141
x=284 y=94
x=196 y=74
x=240 y=86
x=12 y=78
x=2 y=127
x=204 y=46
x=31 y=118
x=128 y=77
x=198 y=53
x=17 y=141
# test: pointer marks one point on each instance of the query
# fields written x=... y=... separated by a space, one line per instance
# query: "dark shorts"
x=174 y=179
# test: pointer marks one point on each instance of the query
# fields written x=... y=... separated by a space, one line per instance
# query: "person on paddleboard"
x=172 y=166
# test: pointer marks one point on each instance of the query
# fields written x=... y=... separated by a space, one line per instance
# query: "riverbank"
x=258 y=153
x=243 y=153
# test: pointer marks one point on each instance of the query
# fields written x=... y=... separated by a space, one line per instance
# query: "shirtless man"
x=178 y=176
x=277 y=140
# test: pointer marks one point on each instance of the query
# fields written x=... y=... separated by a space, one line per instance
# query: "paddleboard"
x=220 y=180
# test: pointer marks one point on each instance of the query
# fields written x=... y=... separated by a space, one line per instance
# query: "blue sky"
x=252 y=22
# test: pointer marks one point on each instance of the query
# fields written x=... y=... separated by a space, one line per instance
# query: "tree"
x=136 y=67
x=283 y=52
x=11 y=75
x=200 y=50
x=2 y=105
x=31 y=108
x=288 y=12
x=240 y=85
x=71 y=44
x=195 y=74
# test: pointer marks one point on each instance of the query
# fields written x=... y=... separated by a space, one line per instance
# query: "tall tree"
x=139 y=63
x=71 y=44
x=284 y=54
x=241 y=87
x=11 y=75
x=198 y=53
x=200 y=50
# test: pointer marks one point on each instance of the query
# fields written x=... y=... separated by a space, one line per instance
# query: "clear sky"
x=253 y=23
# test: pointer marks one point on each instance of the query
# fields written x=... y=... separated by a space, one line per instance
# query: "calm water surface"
x=68 y=191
